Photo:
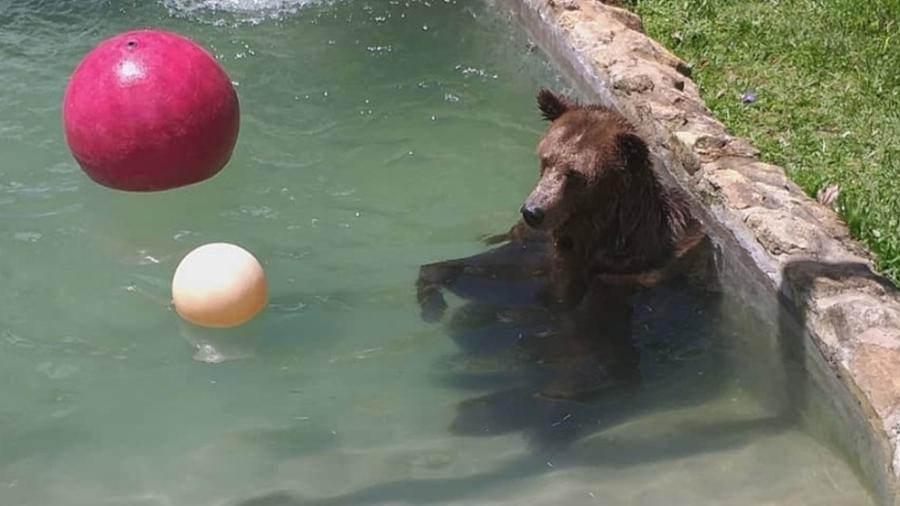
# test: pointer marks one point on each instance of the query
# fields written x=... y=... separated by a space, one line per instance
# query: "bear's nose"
x=533 y=215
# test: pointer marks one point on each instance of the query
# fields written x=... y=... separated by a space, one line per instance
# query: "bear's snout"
x=533 y=215
x=547 y=204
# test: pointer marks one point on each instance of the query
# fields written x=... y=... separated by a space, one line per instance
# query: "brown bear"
x=559 y=309
x=598 y=214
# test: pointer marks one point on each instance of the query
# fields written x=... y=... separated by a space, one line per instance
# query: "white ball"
x=219 y=285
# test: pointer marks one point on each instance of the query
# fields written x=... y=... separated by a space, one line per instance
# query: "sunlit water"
x=376 y=136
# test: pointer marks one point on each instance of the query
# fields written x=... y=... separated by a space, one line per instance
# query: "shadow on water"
x=561 y=379
x=716 y=437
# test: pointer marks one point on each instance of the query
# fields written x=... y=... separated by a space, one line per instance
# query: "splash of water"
x=220 y=12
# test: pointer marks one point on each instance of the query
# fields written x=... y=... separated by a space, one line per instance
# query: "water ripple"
x=25 y=216
x=223 y=12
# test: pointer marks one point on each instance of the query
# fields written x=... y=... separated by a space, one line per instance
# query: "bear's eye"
x=545 y=162
x=570 y=173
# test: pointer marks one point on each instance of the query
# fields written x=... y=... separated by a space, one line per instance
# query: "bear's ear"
x=553 y=106
x=634 y=151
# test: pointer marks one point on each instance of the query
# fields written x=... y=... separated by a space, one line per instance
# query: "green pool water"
x=376 y=136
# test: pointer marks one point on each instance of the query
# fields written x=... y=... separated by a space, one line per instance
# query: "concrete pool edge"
x=795 y=249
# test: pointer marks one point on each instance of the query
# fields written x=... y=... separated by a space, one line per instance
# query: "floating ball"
x=150 y=110
x=219 y=285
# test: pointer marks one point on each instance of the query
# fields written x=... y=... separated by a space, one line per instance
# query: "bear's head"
x=588 y=158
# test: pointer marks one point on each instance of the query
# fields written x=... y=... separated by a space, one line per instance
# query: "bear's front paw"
x=432 y=305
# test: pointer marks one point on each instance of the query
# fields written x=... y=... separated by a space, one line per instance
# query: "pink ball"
x=150 y=110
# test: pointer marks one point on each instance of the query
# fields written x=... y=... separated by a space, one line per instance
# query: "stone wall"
x=805 y=254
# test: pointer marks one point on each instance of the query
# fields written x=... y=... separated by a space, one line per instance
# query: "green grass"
x=826 y=74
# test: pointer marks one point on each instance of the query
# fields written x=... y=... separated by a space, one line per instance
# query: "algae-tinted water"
x=376 y=136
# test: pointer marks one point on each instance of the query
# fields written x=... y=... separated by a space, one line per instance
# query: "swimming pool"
x=376 y=136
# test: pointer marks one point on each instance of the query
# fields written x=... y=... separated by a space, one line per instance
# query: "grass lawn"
x=826 y=75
